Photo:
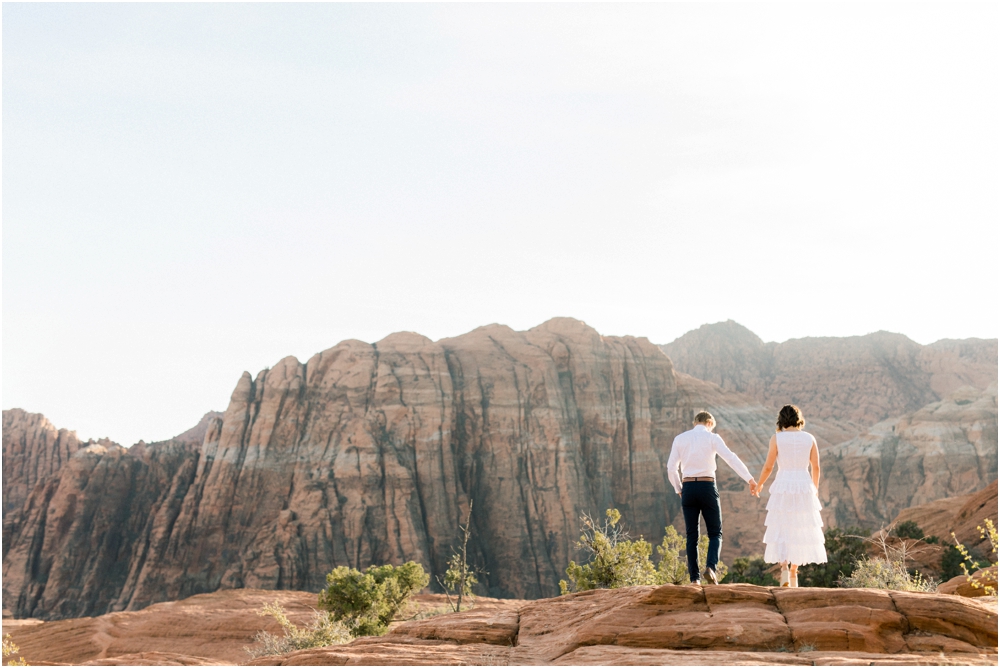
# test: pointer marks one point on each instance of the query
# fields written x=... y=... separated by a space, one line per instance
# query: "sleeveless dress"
x=794 y=529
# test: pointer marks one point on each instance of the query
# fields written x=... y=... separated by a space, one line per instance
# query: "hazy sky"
x=190 y=191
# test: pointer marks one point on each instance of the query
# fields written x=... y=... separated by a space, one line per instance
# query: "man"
x=694 y=451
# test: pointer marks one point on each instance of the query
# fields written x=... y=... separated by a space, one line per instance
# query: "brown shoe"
x=709 y=577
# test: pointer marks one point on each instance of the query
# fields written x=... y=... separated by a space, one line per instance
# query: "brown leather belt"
x=698 y=479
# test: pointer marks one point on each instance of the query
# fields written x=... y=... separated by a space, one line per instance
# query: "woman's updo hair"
x=790 y=417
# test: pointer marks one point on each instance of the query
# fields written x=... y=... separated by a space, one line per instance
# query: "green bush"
x=844 y=547
x=615 y=559
x=672 y=568
x=367 y=602
x=323 y=631
x=951 y=563
x=752 y=570
x=909 y=529
x=879 y=573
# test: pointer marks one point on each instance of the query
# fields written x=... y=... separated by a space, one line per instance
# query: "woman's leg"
x=785 y=577
x=793 y=576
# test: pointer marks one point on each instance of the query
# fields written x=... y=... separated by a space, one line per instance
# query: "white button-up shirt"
x=694 y=452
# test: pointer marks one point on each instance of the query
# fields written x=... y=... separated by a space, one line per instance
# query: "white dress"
x=794 y=530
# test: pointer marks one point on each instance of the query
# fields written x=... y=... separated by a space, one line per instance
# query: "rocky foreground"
x=667 y=625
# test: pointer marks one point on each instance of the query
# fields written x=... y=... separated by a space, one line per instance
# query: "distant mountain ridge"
x=371 y=453
x=843 y=385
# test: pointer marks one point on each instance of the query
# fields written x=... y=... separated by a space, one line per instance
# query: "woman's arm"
x=772 y=454
x=814 y=463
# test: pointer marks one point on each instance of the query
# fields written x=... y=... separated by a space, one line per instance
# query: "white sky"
x=190 y=191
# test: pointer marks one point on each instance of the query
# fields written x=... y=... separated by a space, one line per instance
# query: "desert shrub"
x=615 y=559
x=367 y=602
x=932 y=540
x=843 y=549
x=752 y=570
x=322 y=631
x=9 y=650
x=672 y=567
x=909 y=529
x=951 y=563
x=989 y=533
x=880 y=573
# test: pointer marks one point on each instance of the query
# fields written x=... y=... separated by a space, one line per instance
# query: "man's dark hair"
x=704 y=417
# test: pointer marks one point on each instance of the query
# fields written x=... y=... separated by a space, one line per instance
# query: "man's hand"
x=753 y=487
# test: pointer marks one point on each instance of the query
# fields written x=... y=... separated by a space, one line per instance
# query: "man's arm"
x=673 y=462
x=735 y=463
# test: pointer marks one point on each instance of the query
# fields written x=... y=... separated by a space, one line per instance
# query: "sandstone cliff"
x=945 y=449
x=33 y=449
x=370 y=453
x=842 y=384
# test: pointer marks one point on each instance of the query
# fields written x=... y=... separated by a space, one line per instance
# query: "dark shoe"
x=709 y=577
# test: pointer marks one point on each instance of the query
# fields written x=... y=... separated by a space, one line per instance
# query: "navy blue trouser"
x=702 y=498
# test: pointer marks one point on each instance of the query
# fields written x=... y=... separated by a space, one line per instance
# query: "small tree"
x=322 y=631
x=909 y=529
x=672 y=568
x=616 y=561
x=367 y=602
x=460 y=578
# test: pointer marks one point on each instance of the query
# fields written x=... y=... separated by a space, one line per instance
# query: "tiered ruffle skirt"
x=794 y=528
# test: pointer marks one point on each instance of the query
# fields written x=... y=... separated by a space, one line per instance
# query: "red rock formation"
x=196 y=434
x=842 y=384
x=719 y=625
x=33 y=449
x=371 y=454
x=960 y=515
x=943 y=450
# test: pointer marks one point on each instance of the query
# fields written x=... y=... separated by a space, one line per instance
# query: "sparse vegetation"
x=367 y=602
x=460 y=578
x=752 y=570
x=616 y=560
x=880 y=573
x=672 y=568
x=9 y=650
x=989 y=533
x=843 y=549
x=322 y=631
x=888 y=570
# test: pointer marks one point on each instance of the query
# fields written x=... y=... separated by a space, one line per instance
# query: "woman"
x=794 y=533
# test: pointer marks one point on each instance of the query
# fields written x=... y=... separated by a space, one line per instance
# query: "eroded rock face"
x=372 y=454
x=945 y=449
x=75 y=546
x=842 y=384
x=33 y=449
